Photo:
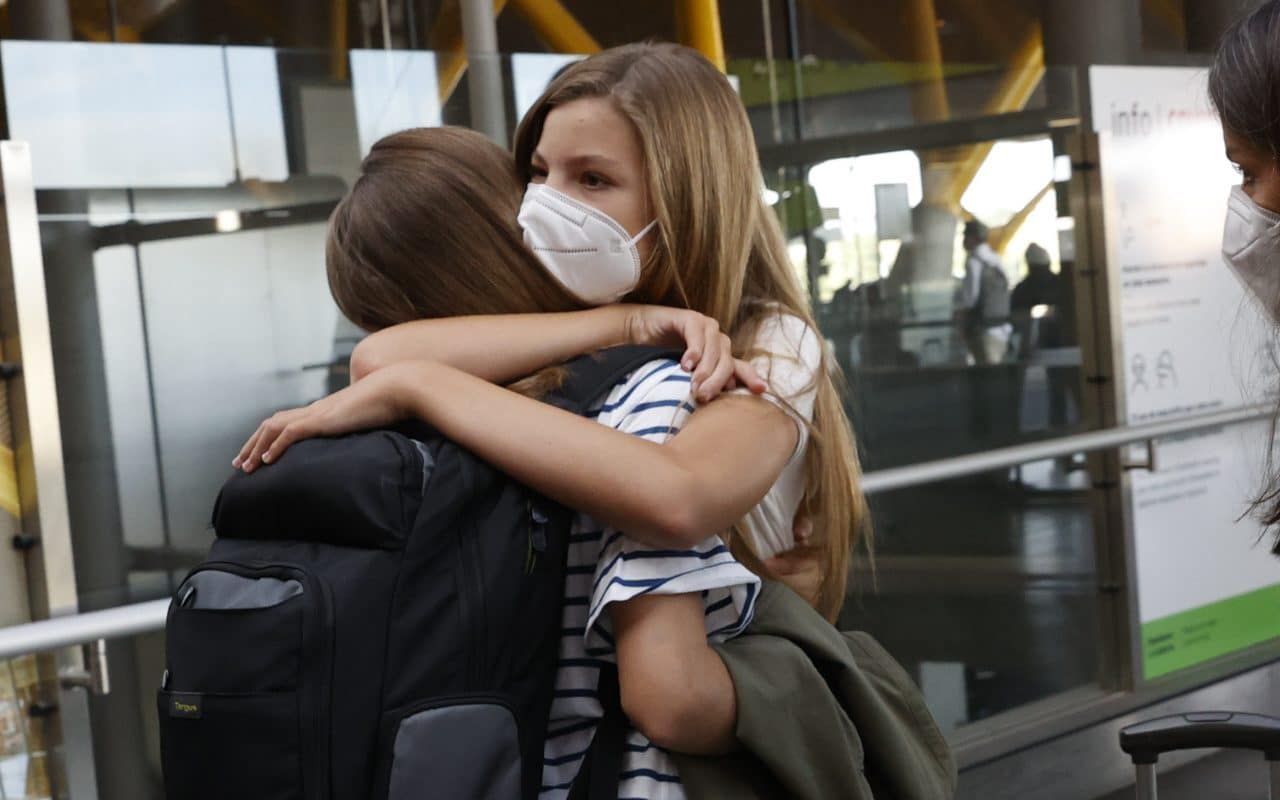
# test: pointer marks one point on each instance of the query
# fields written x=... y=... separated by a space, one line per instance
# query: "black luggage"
x=1145 y=741
x=379 y=617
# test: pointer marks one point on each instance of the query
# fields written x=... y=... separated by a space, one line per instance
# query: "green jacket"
x=821 y=715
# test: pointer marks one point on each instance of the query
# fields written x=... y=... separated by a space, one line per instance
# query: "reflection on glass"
x=935 y=329
x=394 y=90
x=100 y=115
x=530 y=74
x=188 y=301
x=234 y=317
x=253 y=81
x=986 y=589
x=24 y=762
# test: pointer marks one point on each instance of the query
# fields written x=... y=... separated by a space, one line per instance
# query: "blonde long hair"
x=719 y=250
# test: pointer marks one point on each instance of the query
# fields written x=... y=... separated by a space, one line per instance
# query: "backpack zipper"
x=537 y=536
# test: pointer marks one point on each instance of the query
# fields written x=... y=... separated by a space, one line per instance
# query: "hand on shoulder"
x=708 y=354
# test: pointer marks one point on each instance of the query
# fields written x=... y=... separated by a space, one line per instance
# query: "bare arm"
x=499 y=348
x=502 y=348
x=671 y=495
x=699 y=483
x=675 y=689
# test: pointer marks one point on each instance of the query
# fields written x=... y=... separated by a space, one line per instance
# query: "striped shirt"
x=604 y=566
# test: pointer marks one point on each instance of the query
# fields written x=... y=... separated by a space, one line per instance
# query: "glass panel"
x=393 y=90
x=183 y=237
x=986 y=588
x=530 y=74
x=813 y=70
x=211 y=114
x=920 y=323
x=257 y=119
x=206 y=308
x=25 y=750
x=185 y=264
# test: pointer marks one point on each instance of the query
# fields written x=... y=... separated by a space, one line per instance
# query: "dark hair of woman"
x=1244 y=85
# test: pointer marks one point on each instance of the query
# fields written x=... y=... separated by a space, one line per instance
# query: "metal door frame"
x=37 y=436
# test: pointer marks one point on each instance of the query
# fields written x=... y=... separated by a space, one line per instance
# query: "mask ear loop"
x=632 y=241
x=629 y=244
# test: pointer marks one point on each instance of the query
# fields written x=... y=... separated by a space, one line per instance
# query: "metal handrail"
x=1005 y=457
x=146 y=617
x=111 y=623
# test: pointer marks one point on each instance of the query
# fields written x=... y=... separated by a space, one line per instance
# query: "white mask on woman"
x=585 y=249
x=1251 y=246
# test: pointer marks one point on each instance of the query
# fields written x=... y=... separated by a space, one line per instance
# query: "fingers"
x=699 y=331
x=293 y=432
x=243 y=455
x=747 y=375
x=720 y=376
x=267 y=433
x=695 y=335
x=713 y=351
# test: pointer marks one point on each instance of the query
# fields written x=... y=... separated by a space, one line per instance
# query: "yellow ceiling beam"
x=561 y=31
x=698 y=26
x=1172 y=15
x=1025 y=72
x=550 y=20
x=451 y=51
x=339 y=34
x=1004 y=236
x=992 y=22
x=929 y=96
x=833 y=17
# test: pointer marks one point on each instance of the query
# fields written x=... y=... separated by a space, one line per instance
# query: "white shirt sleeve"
x=654 y=405
x=789 y=365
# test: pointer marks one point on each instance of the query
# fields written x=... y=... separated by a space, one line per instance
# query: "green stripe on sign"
x=1192 y=637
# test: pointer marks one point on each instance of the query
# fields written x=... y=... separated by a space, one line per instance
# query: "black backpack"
x=379 y=617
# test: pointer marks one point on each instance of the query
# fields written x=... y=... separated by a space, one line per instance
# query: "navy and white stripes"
x=607 y=567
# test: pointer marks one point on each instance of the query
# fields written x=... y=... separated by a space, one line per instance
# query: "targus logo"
x=185 y=705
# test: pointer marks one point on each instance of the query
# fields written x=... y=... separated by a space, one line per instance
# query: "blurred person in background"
x=983 y=299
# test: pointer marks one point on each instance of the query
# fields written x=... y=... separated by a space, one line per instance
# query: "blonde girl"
x=653 y=137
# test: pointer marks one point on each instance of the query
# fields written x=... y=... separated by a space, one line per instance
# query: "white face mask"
x=1251 y=246
x=585 y=249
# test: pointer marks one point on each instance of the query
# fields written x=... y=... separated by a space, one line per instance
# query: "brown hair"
x=719 y=251
x=429 y=230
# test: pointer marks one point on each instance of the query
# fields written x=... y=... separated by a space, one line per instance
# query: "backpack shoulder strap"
x=601 y=770
x=592 y=376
